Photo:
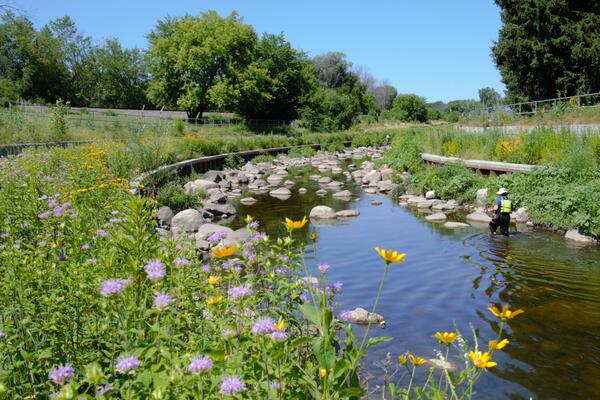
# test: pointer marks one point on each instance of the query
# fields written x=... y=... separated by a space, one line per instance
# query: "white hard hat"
x=502 y=191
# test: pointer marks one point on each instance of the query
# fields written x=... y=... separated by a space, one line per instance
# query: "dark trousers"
x=501 y=220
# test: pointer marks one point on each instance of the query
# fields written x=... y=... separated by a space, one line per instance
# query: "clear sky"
x=439 y=49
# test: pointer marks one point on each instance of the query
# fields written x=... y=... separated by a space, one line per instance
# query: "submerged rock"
x=248 y=201
x=347 y=213
x=479 y=216
x=455 y=225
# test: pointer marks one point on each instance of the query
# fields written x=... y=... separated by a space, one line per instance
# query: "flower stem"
x=385 y=271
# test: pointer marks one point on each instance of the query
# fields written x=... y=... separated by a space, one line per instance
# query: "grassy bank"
x=563 y=193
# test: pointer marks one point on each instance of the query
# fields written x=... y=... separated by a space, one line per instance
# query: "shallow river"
x=453 y=276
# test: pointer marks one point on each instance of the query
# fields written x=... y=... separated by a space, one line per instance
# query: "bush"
x=173 y=196
x=409 y=108
x=404 y=154
x=59 y=127
x=305 y=151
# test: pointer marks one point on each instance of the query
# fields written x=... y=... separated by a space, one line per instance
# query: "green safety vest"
x=505 y=206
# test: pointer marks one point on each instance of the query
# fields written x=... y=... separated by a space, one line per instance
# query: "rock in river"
x=322 y=212
x=436 y=217
x=479 y=216
x=363 y=317
x=187 y=220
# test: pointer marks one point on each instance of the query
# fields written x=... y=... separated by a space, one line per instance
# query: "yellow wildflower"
x=102 y=186
x=495 y=345
x=279 y=326
x=505 y=313
x=481 y=360
x=402 y=359
x=416 y=360
x=214 y=300
x=213 y=280
x=221 y=252
x=314 y=236
x=323 y=372
x=446 y=337
x=390 y=256
x=295 y=224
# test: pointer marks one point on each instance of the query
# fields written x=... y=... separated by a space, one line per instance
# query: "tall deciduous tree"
x=277 y=82
x=489 y=97
x=197 y=62
x=548 y=48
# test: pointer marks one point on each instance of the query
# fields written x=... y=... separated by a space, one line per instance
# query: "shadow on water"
x=453 y=276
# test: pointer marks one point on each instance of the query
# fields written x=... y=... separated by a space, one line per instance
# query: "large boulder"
x=187 y=220
x=164 y=216
x=220 y=209
x=386 y=186
x=194 y=187
x=574 y=235
x=479 y=216
x=430 y=195
x=372 y=177
x=322 y=212
x=214 y=176
x=521 y=215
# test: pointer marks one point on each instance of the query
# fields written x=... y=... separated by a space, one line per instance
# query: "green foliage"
x=449 y=182
x=405 y=153
x=561 y=40
x=305 y=151
x=173 y=196
x=178 y=127
x=408 y=108
x=59 y=125
x=233 y=161
x=263 y=158
x=489 y=97
x=201 y=62
x=277 y=82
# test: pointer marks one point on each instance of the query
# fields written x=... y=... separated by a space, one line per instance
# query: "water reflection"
x=452 y=276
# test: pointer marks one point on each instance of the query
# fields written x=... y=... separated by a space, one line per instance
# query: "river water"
x=453 y=276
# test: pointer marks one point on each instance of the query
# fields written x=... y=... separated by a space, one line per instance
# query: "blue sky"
x=439 y=49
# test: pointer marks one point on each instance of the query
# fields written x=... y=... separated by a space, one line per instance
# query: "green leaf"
x=374 y=341
x=311 y=313
x=351 y=392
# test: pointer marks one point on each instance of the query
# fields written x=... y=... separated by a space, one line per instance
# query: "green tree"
x=409 y=107
x=384 y=95
x=122 y=76
x=277 y=82
x=548 y=47
x=196 y=63
x=332 y=70
x=489 y=97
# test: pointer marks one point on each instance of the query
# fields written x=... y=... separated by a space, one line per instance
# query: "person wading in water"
x=502 y=208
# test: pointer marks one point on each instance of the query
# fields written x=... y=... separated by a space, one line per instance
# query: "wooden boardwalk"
x=483 y=167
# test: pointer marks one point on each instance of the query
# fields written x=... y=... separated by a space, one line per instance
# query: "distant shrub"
x=263 y=158
x=178 y=127
x=58 y=124
x=305 y=151
x=409 y=108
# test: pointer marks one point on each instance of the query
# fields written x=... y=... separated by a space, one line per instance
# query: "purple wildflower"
x=127 y=363
x=102 y=233
x=200 y=364
x=114 y=212
x=323 y=268
x=240 y=292
x=227 y=333
x=182 y=262
x=2 y=334
x=155 y=270
x=279 y=336
x=42 y=243
x=61 y=257
x=303 y=297
x=114 y=286
x=264 y=325
x=44 y=215
x=205 y=268
x=276 y=385
x=217 y=237
x=102 y=390
x=85 y=246
x=338 y=286
x=231 y=385
x=253 y=225
x=161 y=301
x=61 y=374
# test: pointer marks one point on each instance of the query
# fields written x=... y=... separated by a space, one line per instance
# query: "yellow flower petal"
x=221 y=252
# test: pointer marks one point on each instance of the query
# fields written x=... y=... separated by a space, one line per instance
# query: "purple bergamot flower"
x=161 y=301
x=240 y=292
x=127 y=363
x=61 y=374
x=114 y=286
x=231 y=385
x=199 y=365
x=264 y=325
x=323 y=268
x=155 y=270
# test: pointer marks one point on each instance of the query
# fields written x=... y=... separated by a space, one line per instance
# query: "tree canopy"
x=198 y=63
x=548 y=48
